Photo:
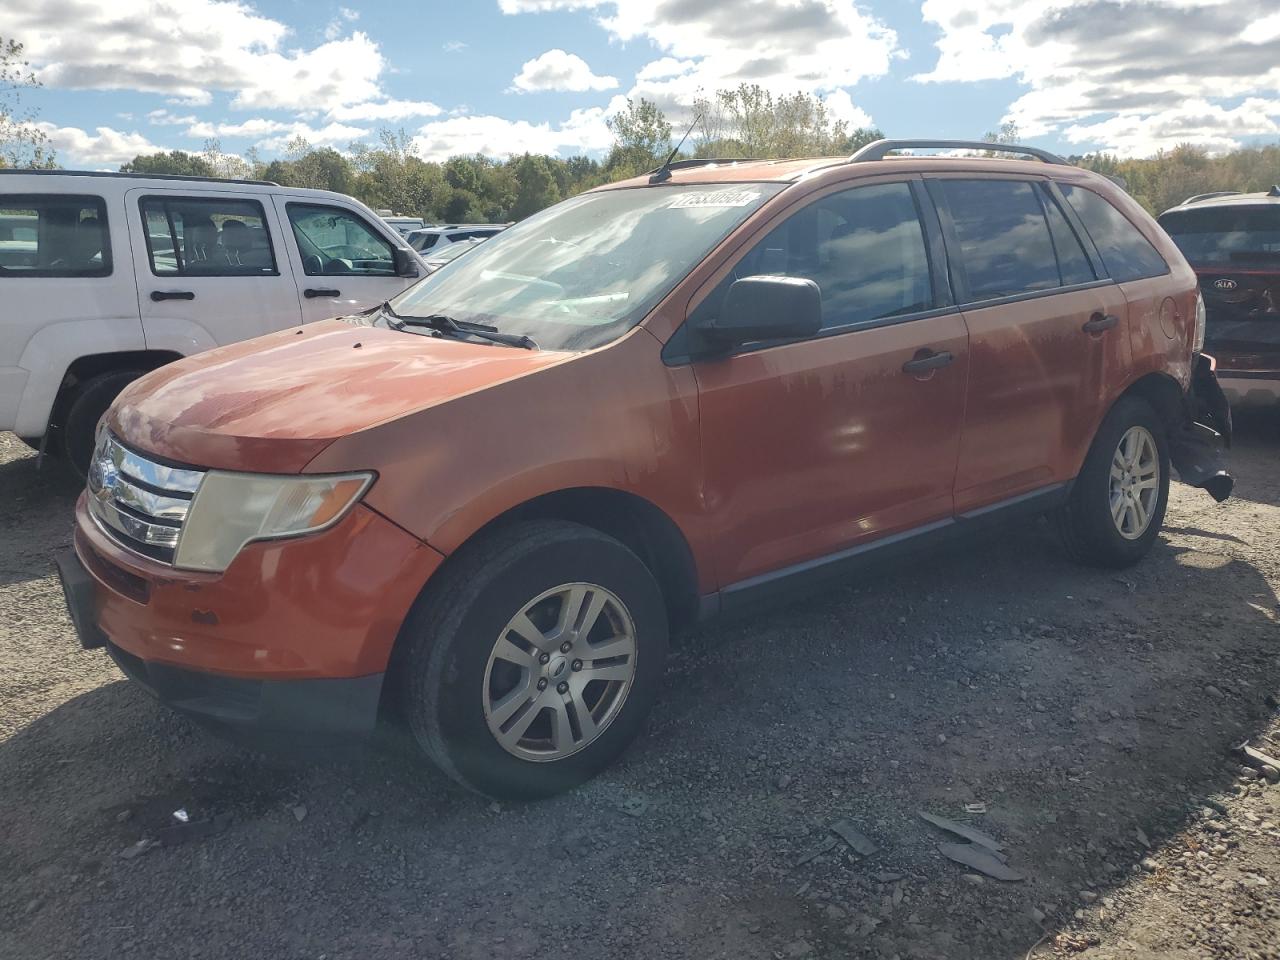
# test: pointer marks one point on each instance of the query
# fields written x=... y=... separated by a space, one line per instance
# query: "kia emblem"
x=1226 y=283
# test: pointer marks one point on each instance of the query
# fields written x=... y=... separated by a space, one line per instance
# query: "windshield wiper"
x=447 y=325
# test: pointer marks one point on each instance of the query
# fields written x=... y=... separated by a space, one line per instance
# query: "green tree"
x=22 y=143
x=226 y=166
x=642 y=139
x=175 y=162
x=750 y=121
x=859 y=138
x=1008 y=133
x=537 y=186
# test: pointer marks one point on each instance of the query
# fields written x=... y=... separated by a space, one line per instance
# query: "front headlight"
x=233 y=509
x=1197 y=339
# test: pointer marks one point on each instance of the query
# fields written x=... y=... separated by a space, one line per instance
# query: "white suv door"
x=341 y=262
x=211 y=268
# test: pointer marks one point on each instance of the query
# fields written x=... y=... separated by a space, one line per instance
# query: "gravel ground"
x=1091 y=714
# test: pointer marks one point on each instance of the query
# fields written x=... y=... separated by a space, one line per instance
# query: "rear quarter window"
x=1125 y=252
x=53 y=235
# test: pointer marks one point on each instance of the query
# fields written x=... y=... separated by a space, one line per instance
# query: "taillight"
x=1197 y=339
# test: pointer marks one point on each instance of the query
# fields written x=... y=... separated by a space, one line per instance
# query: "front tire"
x=91 y=400
x=533 y=662
x=1118 y=501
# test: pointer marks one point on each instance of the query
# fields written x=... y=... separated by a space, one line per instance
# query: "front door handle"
x=1100 y=322
x=312 y=294
x=158 y=295
x=926 y=361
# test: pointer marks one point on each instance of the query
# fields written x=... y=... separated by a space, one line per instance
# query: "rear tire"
x=91 y=400
x=1118 y=501
x=530 y=712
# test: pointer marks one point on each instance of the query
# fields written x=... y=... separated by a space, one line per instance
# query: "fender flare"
x=51 y=351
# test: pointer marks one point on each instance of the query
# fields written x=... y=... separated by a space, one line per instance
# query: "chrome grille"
x=137 y=501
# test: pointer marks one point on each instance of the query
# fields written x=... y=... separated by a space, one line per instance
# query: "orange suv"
x=491 y=499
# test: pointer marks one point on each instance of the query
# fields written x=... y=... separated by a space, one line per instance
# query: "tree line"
x=743 y=122
x=387 y=174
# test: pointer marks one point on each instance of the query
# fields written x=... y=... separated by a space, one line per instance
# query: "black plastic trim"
x=323 y=707
x=798 y=579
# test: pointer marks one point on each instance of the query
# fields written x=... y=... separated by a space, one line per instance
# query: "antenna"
x=663 y=173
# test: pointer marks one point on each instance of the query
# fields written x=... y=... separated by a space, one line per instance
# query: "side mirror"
x=765 y=308
x=406 y=263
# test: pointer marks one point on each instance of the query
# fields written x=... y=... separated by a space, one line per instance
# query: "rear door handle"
x=1100 y=322
x=930 y=361
x=158 y=295
x=312 y=294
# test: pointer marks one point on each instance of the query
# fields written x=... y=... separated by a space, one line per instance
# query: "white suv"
x=431 y=239
x=104 y=277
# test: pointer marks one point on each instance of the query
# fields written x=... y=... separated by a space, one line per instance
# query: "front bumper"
x=294 y=636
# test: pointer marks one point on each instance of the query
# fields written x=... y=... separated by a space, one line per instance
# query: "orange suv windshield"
x=585 y=271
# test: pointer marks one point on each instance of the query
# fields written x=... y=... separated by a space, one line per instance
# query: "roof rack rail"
x=135 y=176
x=705 y=161
x=1211 y=196
x=882 y=148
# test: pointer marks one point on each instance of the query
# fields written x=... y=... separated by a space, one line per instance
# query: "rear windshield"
x=583 y=272
x=1227 y=234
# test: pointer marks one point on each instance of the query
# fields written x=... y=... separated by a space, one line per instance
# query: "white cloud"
x=186 y=48
x=255 y=127
x=782 y=45
x=165 y=118
x=334 y=28
x=102 y=149
x=386 y=110
x=542 y=6
x=840 y=106
x=330 y=135
x=558 y=70
x=1195 y=121
x=583 y=132
x=453 y=46
x=1130 y=75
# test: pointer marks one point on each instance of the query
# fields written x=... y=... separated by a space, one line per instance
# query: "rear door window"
x=334 y=241
x=214 y=237
x=1005 y=246
x=1125 y=252
x=53 y=235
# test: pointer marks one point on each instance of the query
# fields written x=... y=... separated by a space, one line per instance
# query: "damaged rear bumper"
x=1199 y=448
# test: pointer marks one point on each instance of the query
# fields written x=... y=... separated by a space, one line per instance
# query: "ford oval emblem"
x=1226 y=283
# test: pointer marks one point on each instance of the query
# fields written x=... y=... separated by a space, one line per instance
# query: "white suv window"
x=190 y=237
x=334 y=242
x=53 y=235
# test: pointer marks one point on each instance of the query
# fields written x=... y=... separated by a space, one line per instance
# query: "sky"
x=125 y=77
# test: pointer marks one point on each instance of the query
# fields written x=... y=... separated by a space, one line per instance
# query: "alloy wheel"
x=559 y=672
x=1135 y=482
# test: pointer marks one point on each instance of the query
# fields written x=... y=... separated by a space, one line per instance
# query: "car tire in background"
x=1118 y=501
x=90 y=400
x=532 y=662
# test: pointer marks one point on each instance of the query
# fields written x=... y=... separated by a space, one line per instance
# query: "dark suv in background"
x=1232 y=241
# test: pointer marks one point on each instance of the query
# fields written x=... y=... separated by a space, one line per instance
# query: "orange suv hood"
x=271 y=404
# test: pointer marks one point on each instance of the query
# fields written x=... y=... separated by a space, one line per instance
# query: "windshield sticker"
x=716 y=198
